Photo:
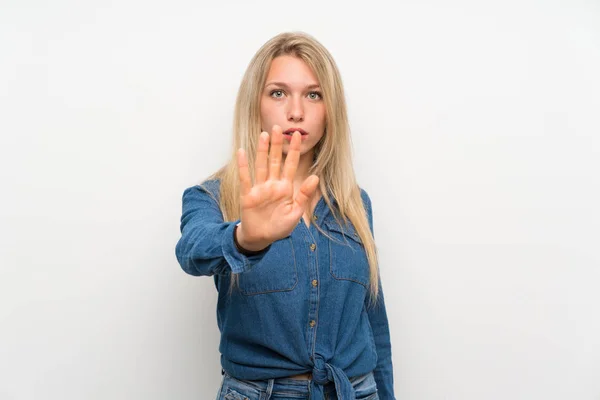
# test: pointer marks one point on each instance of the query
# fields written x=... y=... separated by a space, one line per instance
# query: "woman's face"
x=292 y=98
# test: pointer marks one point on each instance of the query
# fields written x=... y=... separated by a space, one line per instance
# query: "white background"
x=476 y=133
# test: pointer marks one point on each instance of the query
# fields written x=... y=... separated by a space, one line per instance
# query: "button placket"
x=311 y=237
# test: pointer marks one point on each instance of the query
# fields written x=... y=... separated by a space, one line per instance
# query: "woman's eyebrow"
x=313 y=86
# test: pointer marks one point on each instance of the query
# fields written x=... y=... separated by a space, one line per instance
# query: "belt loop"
x=270 y=388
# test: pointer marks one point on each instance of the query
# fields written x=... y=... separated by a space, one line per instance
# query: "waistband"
x=286 y=385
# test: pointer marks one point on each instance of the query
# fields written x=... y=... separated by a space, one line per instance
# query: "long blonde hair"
x=333 y=154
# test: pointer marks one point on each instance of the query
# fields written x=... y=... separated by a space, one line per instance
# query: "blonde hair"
x=333 y=154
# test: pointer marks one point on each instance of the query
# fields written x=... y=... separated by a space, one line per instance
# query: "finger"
x=291 y=160
x=306 y=192
x=245 y=182
x=275 y=154
x=262 y=156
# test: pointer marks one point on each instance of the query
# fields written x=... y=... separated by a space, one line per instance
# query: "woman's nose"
x=295 y=110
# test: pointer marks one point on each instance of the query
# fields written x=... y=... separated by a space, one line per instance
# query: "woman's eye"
x=315 y=95
x=276 y=91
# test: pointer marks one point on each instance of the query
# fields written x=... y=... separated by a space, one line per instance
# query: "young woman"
x=287 y=234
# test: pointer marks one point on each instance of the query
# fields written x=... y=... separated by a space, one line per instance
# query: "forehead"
x=291 y=70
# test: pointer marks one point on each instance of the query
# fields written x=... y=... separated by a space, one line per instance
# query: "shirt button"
x=315 y=217
x=313 y=247
x=314 y=282
x=312 y=323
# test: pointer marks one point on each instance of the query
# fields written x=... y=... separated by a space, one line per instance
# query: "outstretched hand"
x=269 y=210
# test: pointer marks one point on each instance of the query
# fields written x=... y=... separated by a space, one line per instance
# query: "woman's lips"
x=292 y=130
x=288 y=133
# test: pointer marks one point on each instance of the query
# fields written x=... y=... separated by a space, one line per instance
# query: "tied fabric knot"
x=324 y=373
x=320 y=373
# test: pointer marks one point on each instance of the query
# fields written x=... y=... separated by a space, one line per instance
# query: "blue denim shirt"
x=301 y=305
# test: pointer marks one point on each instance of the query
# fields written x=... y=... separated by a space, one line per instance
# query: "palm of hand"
x=269 y=208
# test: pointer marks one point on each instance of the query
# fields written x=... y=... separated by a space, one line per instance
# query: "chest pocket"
x=275 y=272
x=348 y=258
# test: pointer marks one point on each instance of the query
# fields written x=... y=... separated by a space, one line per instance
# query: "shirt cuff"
x=237 y=261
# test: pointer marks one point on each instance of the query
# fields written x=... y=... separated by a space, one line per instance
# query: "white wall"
x=476 y=132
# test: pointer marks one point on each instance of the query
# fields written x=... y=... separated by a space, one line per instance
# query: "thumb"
x=307 y=191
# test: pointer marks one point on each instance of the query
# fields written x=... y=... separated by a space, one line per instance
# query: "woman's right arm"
x=206 y=246
x=269 y=208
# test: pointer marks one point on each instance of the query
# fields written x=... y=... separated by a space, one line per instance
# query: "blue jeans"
x=289 y=389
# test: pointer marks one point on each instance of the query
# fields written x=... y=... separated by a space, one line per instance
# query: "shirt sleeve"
x=206 y=245
x=384 y=376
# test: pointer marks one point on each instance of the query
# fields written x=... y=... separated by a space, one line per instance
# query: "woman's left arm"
x=384 y=374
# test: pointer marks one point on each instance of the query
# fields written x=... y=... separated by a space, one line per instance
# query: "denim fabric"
x=301 y=305
x=290 y=389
